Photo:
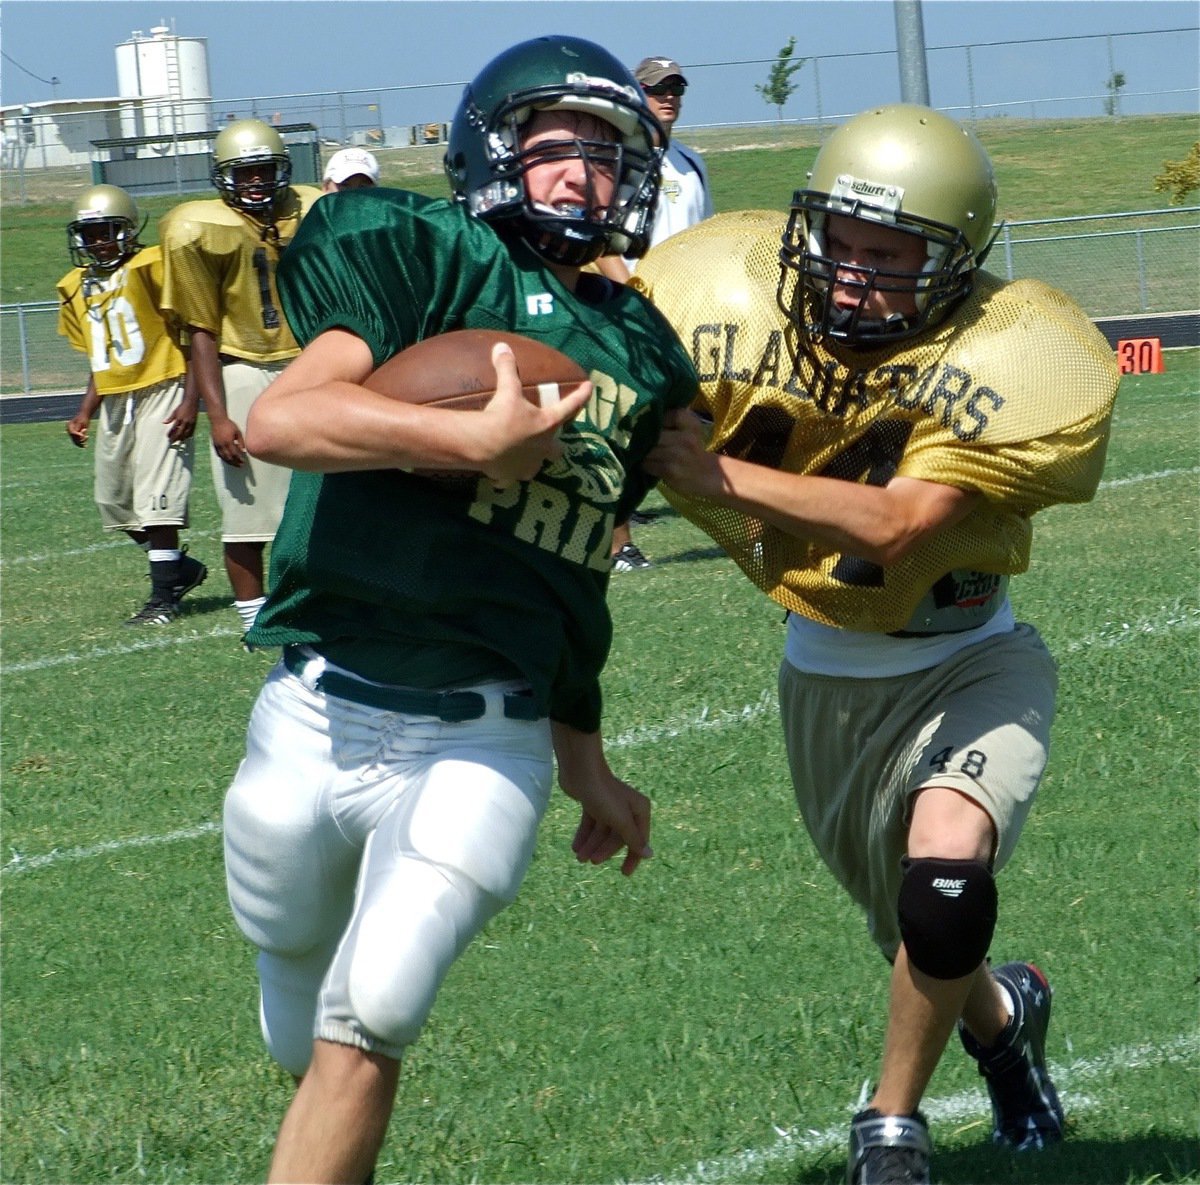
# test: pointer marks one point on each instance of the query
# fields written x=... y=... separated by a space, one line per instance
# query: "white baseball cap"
x=349 y=162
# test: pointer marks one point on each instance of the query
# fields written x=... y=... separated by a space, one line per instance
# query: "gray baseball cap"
x=651 y=71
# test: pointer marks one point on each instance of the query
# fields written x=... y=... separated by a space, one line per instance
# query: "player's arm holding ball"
x=318 y=416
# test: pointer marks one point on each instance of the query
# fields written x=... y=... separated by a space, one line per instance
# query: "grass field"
x=713 y=1019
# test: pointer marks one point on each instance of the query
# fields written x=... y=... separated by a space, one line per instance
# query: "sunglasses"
x=659 y=89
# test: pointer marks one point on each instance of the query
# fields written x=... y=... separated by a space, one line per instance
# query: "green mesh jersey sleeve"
x=371 y=262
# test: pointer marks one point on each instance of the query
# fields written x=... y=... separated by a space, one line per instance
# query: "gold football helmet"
x=104 y=229
x=251 y=166
x=904 y=167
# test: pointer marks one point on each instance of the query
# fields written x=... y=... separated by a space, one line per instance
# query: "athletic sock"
x=248 y=610
x=164 y=572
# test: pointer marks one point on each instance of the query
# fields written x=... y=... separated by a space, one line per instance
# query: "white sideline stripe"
x=19 y=863
x=1116 y=482
x=1169 y=619
x=966 y=1105
x=155 y=643
x=50 y=556
x=708 y=718
x=46 y=557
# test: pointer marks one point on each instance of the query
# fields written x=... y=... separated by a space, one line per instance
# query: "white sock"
x=1008 y=1000
x=248 y=610
x=163 y=555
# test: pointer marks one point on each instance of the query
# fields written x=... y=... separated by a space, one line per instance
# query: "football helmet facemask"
x=486 y=164
x=103 y=232
x=251 y=167
x=908 y=168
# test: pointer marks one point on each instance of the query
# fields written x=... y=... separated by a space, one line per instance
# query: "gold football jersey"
x=114 y=319
x=220 y=273
x=1011 y=396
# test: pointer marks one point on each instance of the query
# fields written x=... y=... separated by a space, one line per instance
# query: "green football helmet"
x=103 y=231
x=904 y=167
x=486 y=165
x=251 y=167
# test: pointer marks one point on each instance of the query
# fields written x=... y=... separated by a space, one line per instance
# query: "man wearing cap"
x=683 y=200
x=683 y=197
x=351 y=168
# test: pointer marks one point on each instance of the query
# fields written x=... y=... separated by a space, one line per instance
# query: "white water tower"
x=168 y=75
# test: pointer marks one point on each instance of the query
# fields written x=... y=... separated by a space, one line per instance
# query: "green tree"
x=1114 y=84
x=1180 y=177
x=779 y=86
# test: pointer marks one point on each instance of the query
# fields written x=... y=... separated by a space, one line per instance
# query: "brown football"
x=454 y=370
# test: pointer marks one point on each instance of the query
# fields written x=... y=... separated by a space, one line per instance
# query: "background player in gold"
x=109 y=311
x=886 y=419
x=220 y=257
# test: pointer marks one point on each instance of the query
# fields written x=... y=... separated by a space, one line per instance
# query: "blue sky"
x=274 y=47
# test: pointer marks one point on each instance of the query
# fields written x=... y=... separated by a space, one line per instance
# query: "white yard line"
x=1138 y=478
x=19 y=863
x=158 y=642
x=1168 y=620
x=49 y=557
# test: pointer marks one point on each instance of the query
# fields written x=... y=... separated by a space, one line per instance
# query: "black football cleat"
x=1026 y=1113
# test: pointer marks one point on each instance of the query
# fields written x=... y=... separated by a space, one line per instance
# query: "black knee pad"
x=947 y=911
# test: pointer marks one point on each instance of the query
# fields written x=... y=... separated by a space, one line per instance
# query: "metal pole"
x=971 y=83
x=817 y=87
x=1114 y=91
x=910 y=46
x=1139 y=242
x=24 y=347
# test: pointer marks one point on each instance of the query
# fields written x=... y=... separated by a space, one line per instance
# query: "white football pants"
x=364 y=849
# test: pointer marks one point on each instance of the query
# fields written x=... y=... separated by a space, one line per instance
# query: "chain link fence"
x=971 y=82
x=1113 y=265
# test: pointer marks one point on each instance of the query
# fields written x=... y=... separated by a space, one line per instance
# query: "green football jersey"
x=406 y=580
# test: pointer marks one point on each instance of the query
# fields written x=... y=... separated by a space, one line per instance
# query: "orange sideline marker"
x=1140 y=355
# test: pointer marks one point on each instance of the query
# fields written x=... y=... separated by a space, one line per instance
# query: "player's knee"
x=288 y=990
x=947 y=912
x=394 y=1009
